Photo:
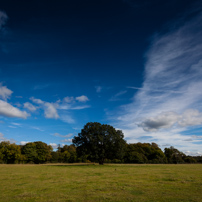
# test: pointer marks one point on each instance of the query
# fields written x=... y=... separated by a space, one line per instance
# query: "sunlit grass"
x=101 y=183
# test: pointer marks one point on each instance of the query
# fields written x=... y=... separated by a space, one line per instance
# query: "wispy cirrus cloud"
x=3 y=19
x=59 y=135
x=37 y=128
x=67 y=118
x=117 y=96
x=170 y=98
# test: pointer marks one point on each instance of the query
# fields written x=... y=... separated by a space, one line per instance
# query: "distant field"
x=100 y=183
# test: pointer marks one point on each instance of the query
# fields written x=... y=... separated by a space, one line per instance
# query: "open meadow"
x=66 y=182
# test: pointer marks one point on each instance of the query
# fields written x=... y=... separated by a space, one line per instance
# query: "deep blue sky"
x=133 y=64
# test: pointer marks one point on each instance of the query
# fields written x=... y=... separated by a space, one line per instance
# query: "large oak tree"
x=99 y=142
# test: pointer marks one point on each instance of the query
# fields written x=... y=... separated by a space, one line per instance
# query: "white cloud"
x=117 y=96
x=30 y=106
x=190 y=117
x=12 y=126
x=3 y=19
x=37 y=101
x=17 y=104
x=193 y=153
x=80 y=107
x=82 y=98
x=8 y=110
x=68 y=99
x=54 y=145
x=16 y=124
x=50 y=109
x=65 y=106
x=24 y=142
x=5 y=93
x=163 y=120
x=196 y=137
x=58 y=135
x=67 y=140
x=37 y=128
x=2 y=138
x=67 y=118
x=169 y=101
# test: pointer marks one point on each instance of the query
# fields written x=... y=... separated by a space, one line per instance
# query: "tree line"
x=96 y=143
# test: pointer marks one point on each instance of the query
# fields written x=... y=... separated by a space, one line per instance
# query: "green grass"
x=101 y=183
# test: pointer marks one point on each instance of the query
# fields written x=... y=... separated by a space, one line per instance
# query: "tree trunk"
x=101 y=162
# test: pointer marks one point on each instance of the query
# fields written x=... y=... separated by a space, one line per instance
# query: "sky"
x=136 y=65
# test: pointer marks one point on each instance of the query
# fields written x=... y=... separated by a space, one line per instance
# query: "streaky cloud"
x=3 y=19
x=169 y=100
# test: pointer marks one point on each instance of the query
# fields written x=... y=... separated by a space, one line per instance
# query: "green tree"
x=100 y=142
x=10 y=153
x=67 y=154
x=144 y=153
x=37 y=152
x=174 y=156
x=190 y=159
x=55 y=157
x=30 y=152
x=1 y=157
x=135 y=154
x=43 y=151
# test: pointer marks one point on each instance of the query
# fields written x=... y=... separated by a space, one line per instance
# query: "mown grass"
x=101 y=183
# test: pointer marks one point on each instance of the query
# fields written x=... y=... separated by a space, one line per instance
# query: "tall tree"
x=100 y=142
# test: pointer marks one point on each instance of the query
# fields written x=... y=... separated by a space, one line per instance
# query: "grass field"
x=101 y=183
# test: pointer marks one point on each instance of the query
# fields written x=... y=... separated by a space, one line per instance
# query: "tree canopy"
x=95 y=143
x=99 y=142
x=37 y=152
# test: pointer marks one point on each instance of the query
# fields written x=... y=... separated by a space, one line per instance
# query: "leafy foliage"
x=96 y=143
x=174 y=156
x=10 y=153
x=144 y=153
x=67 y=154
x=37 y=152
x=100 y=142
